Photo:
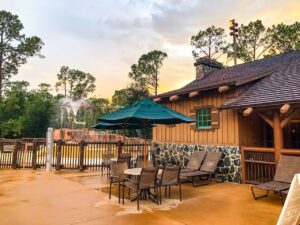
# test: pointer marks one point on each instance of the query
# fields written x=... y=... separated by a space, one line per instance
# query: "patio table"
x=137 y=171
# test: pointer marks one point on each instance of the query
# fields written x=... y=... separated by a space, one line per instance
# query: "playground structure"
x=69 y=113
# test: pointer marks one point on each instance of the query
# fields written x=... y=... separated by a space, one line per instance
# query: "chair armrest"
x=130 y=180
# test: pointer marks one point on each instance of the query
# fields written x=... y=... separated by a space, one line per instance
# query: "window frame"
x=206 y=122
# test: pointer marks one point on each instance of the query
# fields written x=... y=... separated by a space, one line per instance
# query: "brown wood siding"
x=226 y=134
x=251 y=130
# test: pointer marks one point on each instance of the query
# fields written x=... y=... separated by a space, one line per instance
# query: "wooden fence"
x=258 y=164
x=81 y=156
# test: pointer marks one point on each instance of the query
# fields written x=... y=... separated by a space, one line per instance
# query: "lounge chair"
x=195 y=162
x=287 y=167
x=207 y=169
x=170 y=177
x=283 y=195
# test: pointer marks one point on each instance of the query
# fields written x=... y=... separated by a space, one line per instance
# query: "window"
x=204 y=118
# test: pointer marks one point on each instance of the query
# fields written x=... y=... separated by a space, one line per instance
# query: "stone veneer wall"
x=229 y=167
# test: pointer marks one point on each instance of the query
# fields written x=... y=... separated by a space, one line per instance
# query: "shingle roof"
x=278 y=65
x=282 y=86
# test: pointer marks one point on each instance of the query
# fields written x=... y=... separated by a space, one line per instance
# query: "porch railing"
x=258 y=164
x=90 y=155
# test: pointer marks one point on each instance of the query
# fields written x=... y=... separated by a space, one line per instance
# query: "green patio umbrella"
x=116 y=126
x=146 y=113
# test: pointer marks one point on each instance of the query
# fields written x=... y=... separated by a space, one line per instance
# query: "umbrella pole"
x=145 y=147
x=124 y=139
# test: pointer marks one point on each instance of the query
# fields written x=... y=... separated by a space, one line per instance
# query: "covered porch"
x=266 y=134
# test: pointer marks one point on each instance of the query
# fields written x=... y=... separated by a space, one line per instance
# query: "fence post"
x=81 y=155
x=119 y=148
x=58 y=155
x=34 y=154
x=243 y=165
x=49 y=141
x=15 y=155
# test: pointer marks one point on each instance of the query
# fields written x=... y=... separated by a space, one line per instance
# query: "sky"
x=105 y=37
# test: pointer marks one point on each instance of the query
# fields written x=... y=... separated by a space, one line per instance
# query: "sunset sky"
x=105 y=37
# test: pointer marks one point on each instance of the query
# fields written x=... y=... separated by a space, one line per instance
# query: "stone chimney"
x=205 y=66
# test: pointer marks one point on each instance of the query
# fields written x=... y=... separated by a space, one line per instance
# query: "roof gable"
x=239 y=74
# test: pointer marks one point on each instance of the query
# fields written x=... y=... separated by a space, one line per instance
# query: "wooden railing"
x=258 y=164
x=81 y=155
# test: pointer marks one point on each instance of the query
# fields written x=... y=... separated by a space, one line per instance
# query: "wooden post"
x=278 y=135
x=119 y=148
x=243 y=165
x=34 y=153
x=15 y=155
x=81 y=155
x=58 y=155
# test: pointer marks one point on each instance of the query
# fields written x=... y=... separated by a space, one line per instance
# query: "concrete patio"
x=36 y=197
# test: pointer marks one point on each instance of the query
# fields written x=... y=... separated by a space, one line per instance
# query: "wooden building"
x=252 y=106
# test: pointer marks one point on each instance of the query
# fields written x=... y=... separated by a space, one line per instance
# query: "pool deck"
x=40 y=198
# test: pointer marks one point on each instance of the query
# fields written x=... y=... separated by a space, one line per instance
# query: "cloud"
x=106 y=37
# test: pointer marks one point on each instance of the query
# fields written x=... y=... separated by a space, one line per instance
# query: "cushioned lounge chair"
x=195 y=162
x=287 y=167
x=207 y=169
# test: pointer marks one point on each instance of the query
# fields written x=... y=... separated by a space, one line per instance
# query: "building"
x=250 y=107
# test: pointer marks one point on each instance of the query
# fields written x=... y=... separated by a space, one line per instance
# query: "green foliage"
x=39 y=108
x=210 y=43
x=253 y=42
x=25 y=113
x=15 y=47
x=102 y=106
x=12 y=108
x=145 y=72
x=129 y=95
x=284 y=37
x=75 y=83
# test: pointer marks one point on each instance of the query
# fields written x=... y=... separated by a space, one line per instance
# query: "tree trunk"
x=1 y=66
x=156 y=83
x=1 y=77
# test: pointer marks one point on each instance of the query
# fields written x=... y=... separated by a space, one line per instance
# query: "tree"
x=83 y=84
x=101 y=107
x=15 y=47
x=253 y=41
x=284 y=38
x=210 y=43
x=145 y=72
x=75 y=83
x=129 y=95
x=63 y=78
x=12 y=109
x=38 y=112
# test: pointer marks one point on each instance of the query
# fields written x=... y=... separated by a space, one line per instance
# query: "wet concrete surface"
x=40 y=198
